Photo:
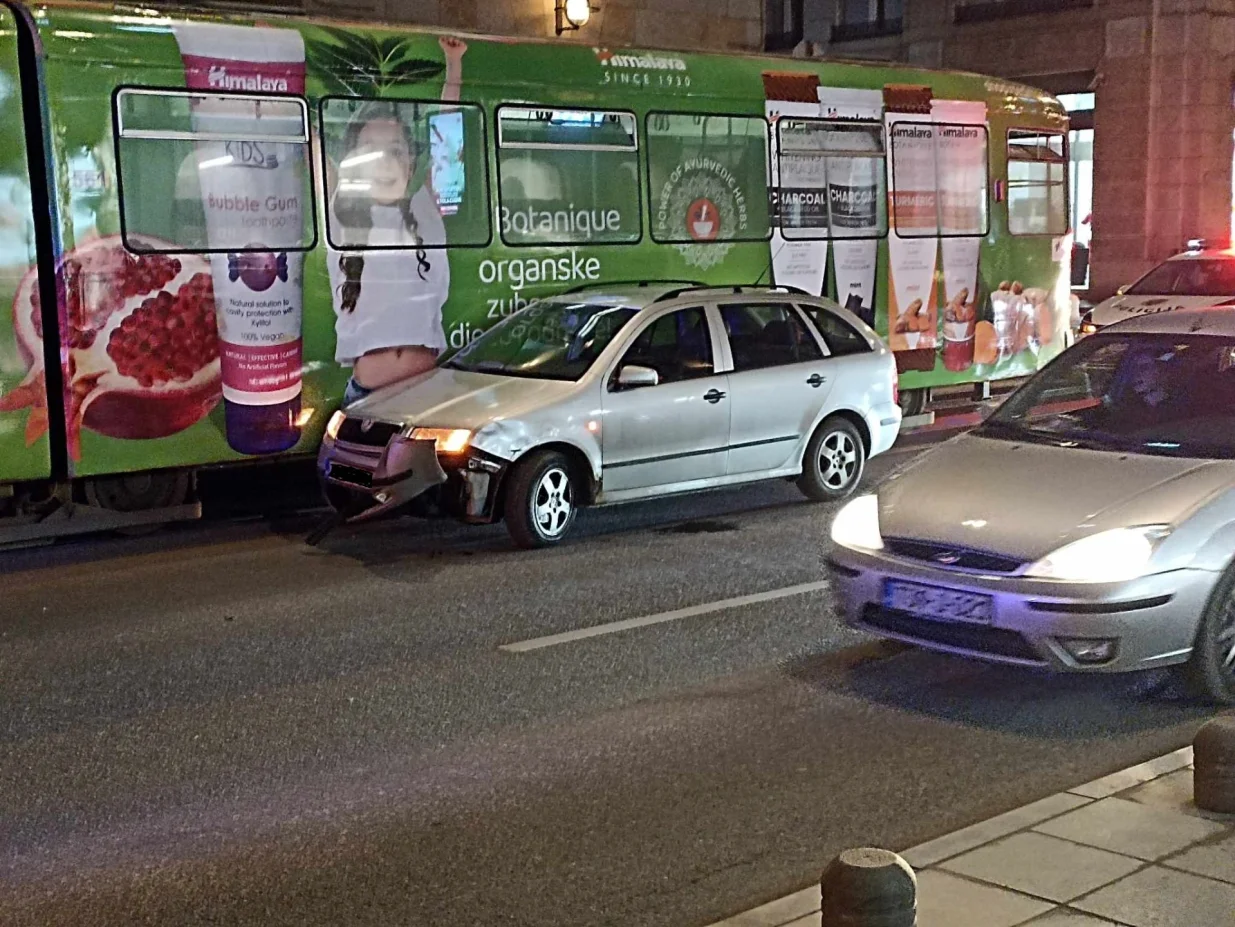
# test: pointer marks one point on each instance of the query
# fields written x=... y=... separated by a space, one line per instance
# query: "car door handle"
x=713 y=396
x=816 y=380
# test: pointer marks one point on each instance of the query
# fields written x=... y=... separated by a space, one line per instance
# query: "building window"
x=867 y=19
x=783 y=27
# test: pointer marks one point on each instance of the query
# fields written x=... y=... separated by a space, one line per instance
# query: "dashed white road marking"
x=613 y=627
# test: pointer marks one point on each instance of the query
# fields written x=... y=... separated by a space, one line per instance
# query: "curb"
x=802 y=909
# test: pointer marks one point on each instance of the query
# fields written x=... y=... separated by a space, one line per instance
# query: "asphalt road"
x=220 y=725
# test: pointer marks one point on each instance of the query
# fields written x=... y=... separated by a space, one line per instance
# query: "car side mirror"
x=633 y=376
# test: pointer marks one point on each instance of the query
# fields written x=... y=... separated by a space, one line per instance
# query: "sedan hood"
x=1025 y=500
x=446 y=398
x=1119 y=308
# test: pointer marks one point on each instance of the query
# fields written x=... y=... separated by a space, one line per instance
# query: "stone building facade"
x=1153 y=84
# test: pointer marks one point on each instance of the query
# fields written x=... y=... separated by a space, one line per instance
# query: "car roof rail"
x=733 y=288
x=601 y=284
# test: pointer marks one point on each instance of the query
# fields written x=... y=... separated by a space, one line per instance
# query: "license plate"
x=937 y=604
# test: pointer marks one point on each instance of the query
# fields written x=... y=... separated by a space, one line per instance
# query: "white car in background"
x=612 y=394
x=1198 y=278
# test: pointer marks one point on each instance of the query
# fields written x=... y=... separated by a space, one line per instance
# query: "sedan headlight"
x=857 y=525
x=335 y=423
x=447 y=440
x=1114 y=556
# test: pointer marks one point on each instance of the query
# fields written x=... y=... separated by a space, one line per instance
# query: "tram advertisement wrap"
x=798 y=181
x=857 y=208
x=252 y=191
x=257 y=222
x=24 y=445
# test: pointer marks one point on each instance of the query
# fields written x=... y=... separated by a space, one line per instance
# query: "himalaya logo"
x=219 y=79
x=609 y=59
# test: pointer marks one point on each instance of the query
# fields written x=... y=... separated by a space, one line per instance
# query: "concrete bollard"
x=1213 y=758
x=868 y=887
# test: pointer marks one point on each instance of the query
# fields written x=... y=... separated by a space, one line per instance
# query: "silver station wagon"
x=616 y=393
x=1088 y=524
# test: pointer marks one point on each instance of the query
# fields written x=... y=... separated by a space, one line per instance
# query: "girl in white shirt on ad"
x=388 y=297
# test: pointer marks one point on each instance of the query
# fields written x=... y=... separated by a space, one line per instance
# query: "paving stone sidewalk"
x=1130 y=849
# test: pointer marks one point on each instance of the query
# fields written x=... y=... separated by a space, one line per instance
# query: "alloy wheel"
x=553 y=502
x=838 y=460
x=1224 y=638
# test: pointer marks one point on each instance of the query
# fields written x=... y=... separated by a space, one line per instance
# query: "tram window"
x=400 y=172
x=940 y=180
x=568 y=176
x=963 y=165
x=831 y=180
x=708 y=178
x=1037 y=183
x=213 y=172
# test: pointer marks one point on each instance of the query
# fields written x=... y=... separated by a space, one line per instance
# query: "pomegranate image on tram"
x=140 y=343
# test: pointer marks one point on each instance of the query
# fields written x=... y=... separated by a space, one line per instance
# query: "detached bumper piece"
x=365 y=480
x=375 y=481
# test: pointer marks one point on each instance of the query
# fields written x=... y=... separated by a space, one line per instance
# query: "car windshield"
x=1190 y=277
x=547 y=340
x=1170 y=395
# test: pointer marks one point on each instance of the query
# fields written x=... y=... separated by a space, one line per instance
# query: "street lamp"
x=571 y=14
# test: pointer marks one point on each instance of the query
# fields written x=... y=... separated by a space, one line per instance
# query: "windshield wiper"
x=486 y=366
x=1013 y=432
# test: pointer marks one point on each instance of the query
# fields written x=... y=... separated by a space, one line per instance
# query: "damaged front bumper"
x=363 y=482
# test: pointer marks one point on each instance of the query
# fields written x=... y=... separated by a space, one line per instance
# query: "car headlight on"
x=1114 y=556
x=856 y=526
x=335 y=423
x=447 y=440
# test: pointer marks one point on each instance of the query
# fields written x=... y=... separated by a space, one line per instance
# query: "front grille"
x=974 y=638
x=972 y=560
x=377 y=435
x=354 y=475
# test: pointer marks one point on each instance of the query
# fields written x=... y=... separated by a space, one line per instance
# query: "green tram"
x=211 y=225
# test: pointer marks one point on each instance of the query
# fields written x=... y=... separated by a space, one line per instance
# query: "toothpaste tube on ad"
x=960 y=137
x=253 y=191
x=797 y=175
x=913 y=240
x=856 y=201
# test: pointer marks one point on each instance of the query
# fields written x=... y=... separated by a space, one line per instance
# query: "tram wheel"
x=139 y=492
x=913 y=401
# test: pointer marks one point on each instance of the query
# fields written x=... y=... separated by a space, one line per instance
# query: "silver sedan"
x=1087 y=525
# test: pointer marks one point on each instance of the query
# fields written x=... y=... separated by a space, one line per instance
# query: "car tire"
x=834 y=461
x=1210 y=672
x=541 y=500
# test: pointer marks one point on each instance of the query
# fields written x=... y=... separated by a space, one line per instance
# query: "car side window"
x=767 y=335
x=840 y=337
x=678 y=346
